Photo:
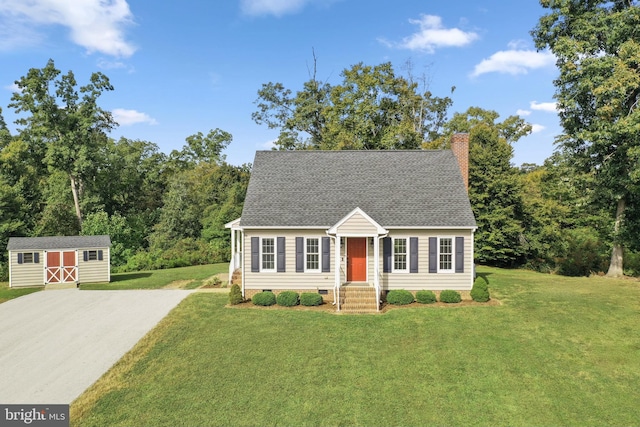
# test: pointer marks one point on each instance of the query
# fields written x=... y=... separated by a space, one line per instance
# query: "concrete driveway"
x=55 y=344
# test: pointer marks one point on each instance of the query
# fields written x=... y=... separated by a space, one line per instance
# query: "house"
x=60 y=261
x=352 y=225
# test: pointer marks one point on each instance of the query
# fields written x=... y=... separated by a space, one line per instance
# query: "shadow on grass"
x=484 y=276
x=128 y=276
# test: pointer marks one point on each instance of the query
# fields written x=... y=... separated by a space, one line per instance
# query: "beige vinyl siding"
x=423 y=279
x=26 y=274
x=93 y=271
x=289 y=279
x=357 y=225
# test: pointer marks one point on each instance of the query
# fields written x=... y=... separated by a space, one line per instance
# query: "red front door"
x=357 y=259
x=61 y=267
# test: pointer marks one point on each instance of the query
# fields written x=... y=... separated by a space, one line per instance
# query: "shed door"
x=357 y=259
x=61 y=267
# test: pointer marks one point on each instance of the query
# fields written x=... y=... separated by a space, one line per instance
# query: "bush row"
x=479 y=293
x=287 y=299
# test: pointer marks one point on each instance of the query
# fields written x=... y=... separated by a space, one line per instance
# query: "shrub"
x=585 y=253
x=450 y=296
x=480 y=291
x=288 y=298
x=399 y=297
x=425 y=297
x=235 y=295
x=310 y=299
x=265 y=298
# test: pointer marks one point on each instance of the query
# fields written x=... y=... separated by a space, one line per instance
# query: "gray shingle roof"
x=406 y=188
x=58 y=242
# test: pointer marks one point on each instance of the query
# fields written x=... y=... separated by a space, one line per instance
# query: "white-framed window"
x=268 y=254
x=92 y=255
x=312 y=254
x=27 y=258
x=400 y=255
x=445 y=254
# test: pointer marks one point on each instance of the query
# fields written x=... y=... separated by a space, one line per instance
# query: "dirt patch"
x=216 y=281
x=178 y=284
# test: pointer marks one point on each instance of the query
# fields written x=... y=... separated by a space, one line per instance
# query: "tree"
x=597 y=46
x=495 y=191
x=66 y=120
x=373 y=108
x=200 y=148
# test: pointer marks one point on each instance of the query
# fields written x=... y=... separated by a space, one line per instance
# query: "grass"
x=558 y=351
x=7 y=293
x=160 y=278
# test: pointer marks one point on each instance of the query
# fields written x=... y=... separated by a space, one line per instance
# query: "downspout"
x=380 y=237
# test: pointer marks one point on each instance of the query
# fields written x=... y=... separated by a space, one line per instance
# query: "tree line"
x=576 y=214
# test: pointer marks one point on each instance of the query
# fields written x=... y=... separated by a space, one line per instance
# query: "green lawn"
x=7 y=293
x=558 y=351
x=160 y=278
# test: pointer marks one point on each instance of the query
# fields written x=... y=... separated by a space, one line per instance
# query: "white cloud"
x=535 y=128
x=432 y=35
x=549 y=107
x=514 y=61
x=131 y=117
x=268 y=145
x=523 y=113
x=272 y=7
x=13 y=88
x=97 y=25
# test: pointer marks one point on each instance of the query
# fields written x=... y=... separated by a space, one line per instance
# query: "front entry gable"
x=357 y=223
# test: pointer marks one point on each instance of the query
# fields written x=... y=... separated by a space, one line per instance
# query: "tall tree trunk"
x=615 y=266
x=76 y=199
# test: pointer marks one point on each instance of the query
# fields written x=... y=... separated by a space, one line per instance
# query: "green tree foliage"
x=495 y=192
x=124 y=240
x=373 y=108
x=597 y=46
x=67 y=121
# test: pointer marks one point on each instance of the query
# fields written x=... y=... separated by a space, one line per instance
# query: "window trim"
x=274 y=254
x=452 y=254
x=318 y=255
x=407 y=253
x=24 y=258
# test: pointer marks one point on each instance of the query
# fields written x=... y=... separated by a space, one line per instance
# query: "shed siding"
x=357 y=225
x=30 y=274
x=93 y=271
x=288 y=279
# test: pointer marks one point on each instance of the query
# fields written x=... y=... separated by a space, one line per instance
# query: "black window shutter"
x=299 y=254
x=100 y=255
x=433 y=254
x=326 y=254
x=459 y=254
x=413 y=255
x=36 y=257
x=85 y=255
x=255 y=254
x=386 y=255
x=281 y=257
x=20 y=259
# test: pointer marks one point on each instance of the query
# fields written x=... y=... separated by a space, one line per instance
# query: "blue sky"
x=182 y=67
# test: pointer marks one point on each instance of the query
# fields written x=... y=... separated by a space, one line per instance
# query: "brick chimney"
x=460 y=148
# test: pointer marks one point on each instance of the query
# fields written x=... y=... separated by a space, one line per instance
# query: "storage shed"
x=58 y=261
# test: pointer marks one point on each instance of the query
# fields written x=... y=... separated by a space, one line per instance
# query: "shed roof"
x=58 y=242
x=408 y=188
